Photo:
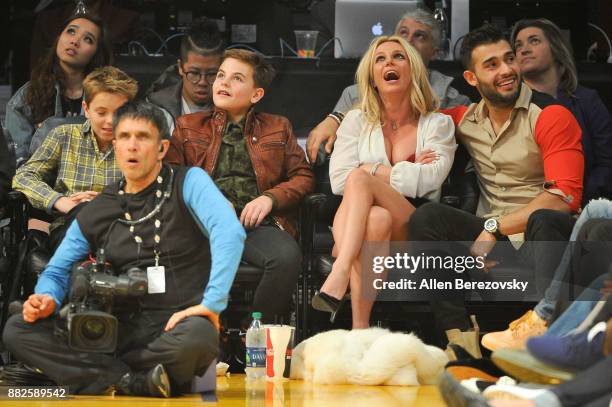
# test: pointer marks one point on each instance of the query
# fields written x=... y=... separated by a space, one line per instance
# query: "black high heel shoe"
x=326 y=303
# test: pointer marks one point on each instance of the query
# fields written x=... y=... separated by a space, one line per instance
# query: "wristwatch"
x=491 y=225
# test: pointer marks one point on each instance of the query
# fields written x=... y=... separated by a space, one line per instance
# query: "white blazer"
x=359 y=143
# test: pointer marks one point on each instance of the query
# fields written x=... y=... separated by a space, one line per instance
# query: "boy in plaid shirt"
x=76 y=161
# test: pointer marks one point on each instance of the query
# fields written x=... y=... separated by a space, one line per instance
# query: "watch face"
x=491 y=225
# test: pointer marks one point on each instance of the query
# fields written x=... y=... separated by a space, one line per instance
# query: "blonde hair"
x=422 y=97
x=111 y=80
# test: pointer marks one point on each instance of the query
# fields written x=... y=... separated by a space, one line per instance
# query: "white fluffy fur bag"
x=373 y=356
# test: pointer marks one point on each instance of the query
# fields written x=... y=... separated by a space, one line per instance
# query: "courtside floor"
x=235 y=391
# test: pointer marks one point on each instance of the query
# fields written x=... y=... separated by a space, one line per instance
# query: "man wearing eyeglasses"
x=200 y=57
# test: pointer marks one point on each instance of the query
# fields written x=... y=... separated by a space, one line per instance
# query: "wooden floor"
x=236 y=391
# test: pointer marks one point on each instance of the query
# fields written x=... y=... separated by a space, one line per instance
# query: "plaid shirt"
x=69 y=159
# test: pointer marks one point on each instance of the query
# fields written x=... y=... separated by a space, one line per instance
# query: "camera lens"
x=93 y=328
x=92 y=331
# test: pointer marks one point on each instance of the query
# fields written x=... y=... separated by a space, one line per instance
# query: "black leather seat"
x=14 y=251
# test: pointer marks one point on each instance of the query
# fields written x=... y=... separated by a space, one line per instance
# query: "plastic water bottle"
x=256 y=349
x=439 y=15
x=255 y=393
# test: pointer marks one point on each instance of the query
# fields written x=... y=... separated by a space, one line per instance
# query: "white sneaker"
x=507 y=392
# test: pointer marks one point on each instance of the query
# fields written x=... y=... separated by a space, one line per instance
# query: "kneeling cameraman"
x=173 y=224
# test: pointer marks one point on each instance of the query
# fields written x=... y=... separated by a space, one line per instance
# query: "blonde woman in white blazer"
x=392 y=147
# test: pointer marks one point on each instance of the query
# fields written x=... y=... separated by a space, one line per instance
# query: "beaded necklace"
x=160 y=199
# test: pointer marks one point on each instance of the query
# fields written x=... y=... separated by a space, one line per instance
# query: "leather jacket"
x=278 y=161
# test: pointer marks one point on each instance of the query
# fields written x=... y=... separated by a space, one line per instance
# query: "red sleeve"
x=456 y=113
x=559 y=136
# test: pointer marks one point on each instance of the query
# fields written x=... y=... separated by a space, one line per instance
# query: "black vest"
x=185 y=250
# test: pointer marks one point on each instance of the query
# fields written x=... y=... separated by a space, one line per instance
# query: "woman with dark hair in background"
x=56 y=88
x=547 y=65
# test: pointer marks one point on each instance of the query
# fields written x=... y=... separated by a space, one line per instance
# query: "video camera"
x=93 y=289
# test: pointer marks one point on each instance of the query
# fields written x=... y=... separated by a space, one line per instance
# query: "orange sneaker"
x=515 y=337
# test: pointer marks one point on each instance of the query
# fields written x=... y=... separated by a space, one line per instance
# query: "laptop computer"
x=357 y=22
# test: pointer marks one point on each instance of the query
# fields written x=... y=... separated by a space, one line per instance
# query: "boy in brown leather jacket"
x=256 y=162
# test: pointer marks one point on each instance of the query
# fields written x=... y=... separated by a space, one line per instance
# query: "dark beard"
x=497 y=99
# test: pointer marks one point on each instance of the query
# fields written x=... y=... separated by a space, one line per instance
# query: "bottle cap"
x=256 y=315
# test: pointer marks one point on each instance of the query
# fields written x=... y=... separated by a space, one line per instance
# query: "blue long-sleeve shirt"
x=209 y=208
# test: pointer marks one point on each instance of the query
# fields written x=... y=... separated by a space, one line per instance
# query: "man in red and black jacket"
x=527 y=154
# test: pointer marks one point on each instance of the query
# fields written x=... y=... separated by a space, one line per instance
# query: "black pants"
x=591 y=257
x=279 y=255
x=438 y=222
x=594 y=239
x=185 y=351
x=591 y=387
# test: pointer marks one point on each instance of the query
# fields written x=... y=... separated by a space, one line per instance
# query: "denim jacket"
x=19 y=123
